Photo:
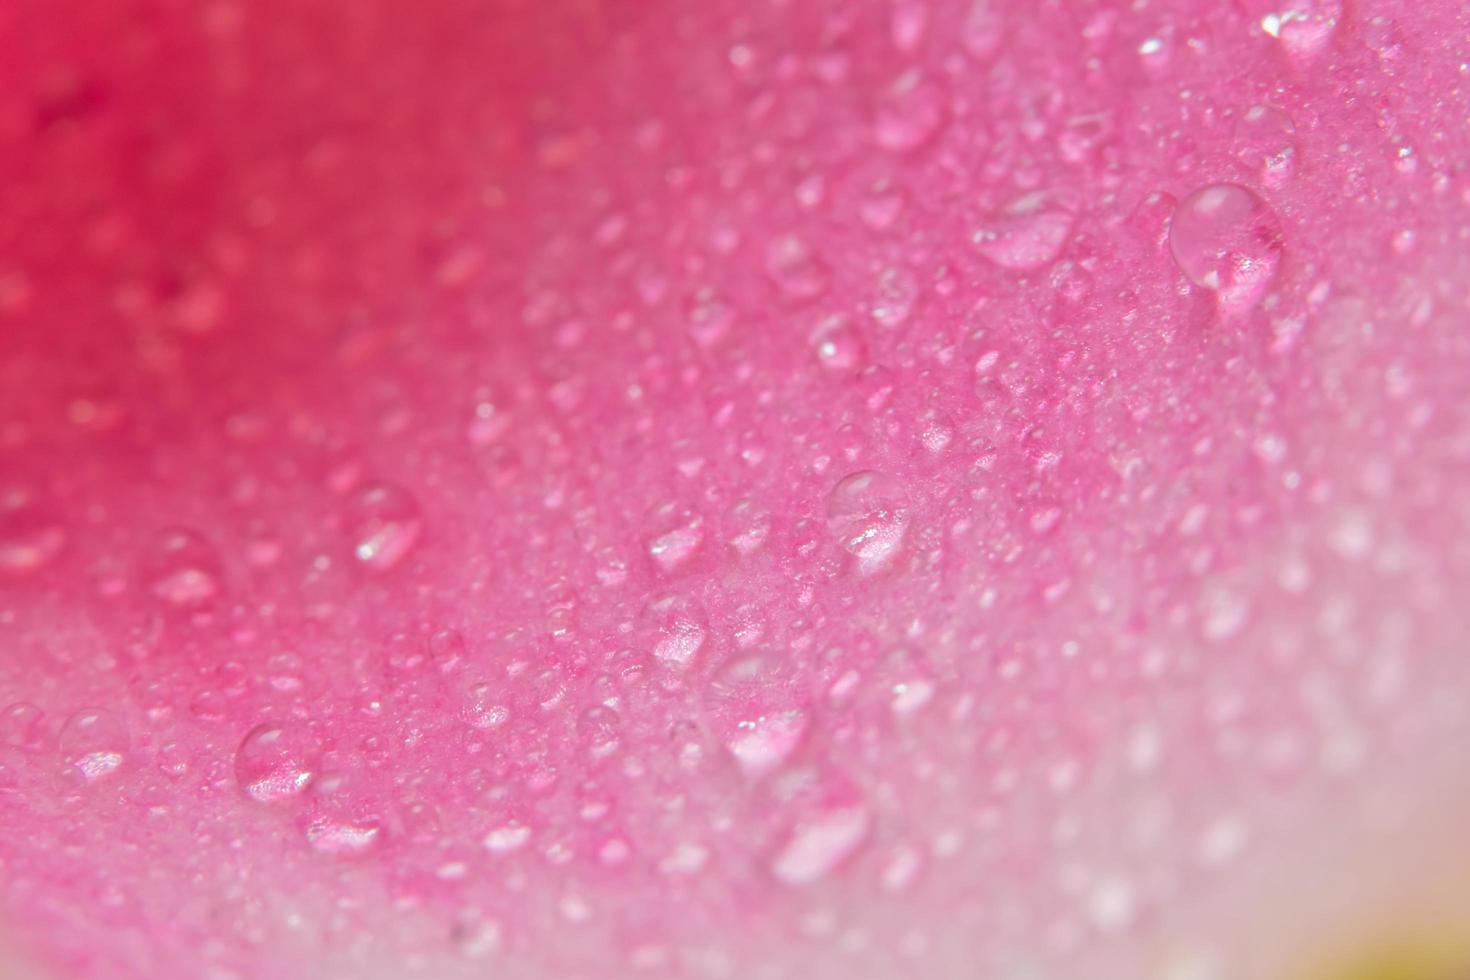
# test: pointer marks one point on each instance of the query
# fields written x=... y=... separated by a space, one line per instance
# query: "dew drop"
x=676 y=536
x=820 y=841
x=757 y=712
x=29 y=540
x=1303 y=27
x=1225 y=239
x=94 y=742
x=867 y=513
x=1265 y=142
x=747 y=526
x=1027 y=236
x=507 y=837
x=676 y=629
x=709 y=317
x=911 y=113
x=342 y=820
x=795 y=269
x=274 y=762
x=384 y=523
x=22 y=725
x=838 y=344
x=600 y=730
x=183 y=569
x=898 y=291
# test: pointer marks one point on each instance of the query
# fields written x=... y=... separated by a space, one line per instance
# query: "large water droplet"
x=1027 y=236
x=94 y=742
x=868 y=514
x=1226 y=239
x=758 y=711
x=274 y=762
x=911 y=113
x=183 y=569
x=384 y=523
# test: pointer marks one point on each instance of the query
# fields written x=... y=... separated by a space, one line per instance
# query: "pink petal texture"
x=734 y=489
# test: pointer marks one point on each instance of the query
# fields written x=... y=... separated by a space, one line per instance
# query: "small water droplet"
x=274 y=762
x=676 y=628
x=507 y=837
x=709 y=316
x=1303 y=27
x=758 y=712
x=1265 y=142
x=821 y=839
x=676 y=536
x=94 y=742
x=384 y=523
x=747 y=526
x=29 y=540
x=183 y=569
x=341 y=818
x=600 y=730
x=22 y=725
x=1225 y=239
x=795 y=269
x=868 y=514
x=898 y=291
x=838 y=344
x=1028 y=235
x=908 y=23
x=911 y=113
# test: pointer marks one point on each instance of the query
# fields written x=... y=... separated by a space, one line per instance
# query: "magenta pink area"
x=719 y=489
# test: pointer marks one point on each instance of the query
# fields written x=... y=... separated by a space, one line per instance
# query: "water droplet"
x=510 y=836
x=1027 y=236
x=908 y=23
x=94 y=742
x=184 y=569
x=1304 y=27
x=677 y=535
x=29 y=540
x=484 y=707
x=982 y=30
x=600 y=729
x=274 y=762
x=676 y=628
x=821 y=840
x=868 y=514
x=709 y=317
x=747 y=526
x=795 y=269
x=341 y=819
x=384 y=523
x=22 y=725
x=911 y=113
x=1265 y=142
x=898 y=291
x=1225 y=239
x=838 y=344
x=757 y=711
